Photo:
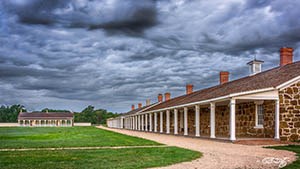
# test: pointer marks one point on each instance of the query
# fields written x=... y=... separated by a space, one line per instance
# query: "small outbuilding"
x=55 y=119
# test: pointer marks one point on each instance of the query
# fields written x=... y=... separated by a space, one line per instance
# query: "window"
x=259 y=121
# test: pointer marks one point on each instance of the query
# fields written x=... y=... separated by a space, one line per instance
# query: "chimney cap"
x=285 y=48
x=224 y=72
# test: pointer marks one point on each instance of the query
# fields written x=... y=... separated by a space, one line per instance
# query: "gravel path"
x=218 y=155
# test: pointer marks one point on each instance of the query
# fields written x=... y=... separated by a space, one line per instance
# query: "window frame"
x=257 y=104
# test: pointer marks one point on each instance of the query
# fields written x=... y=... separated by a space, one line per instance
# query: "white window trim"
x=257 y=103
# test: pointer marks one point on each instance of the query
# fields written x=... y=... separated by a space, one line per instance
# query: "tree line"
x=9 y=114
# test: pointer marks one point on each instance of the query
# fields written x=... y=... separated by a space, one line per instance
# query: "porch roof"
x=139 y=109
x=44 y=115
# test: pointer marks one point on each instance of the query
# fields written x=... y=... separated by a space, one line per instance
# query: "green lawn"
x=294 y=148
x=22 y=137
x=101 y=158
x=33 y=137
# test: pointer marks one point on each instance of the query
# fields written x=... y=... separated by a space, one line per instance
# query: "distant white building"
x=35 y=119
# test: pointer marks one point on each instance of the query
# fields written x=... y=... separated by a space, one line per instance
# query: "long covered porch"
x=45 y=123
x=243 y=117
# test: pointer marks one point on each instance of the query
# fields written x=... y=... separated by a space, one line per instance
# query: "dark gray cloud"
x=116 y=15
x=114 y=53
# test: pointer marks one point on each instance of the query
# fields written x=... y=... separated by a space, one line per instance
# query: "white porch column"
x=212 y=120
x=185 y=121
x=181 y=120
x=130 y=123
x=232 y=119
x=139 y=122
x=161 y=121
x=136 y=123
x=175 y=121
x=150 y=122
x=277 y=112
x=155 y=122
x=197 y=120
x=168 y=121
x=19 y=122
x=146 y=122
x=122 y=120
x=133 y=122
x=143 y=125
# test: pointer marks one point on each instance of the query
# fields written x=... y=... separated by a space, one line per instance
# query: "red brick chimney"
x=140 y=105
x=189 y=88
x=167 y=96
x=132 y=107
x=160 y=98
x=286 y=56
x=224 y=77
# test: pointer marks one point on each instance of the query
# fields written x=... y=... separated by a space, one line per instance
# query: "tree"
x=98 y=116
x=10 y=113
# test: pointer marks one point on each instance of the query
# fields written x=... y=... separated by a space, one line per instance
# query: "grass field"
x=106 y=158
x=18 y=137
x=294 y=148
x=41 y=137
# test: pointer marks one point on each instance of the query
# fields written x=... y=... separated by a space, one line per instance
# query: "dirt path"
x=77 y=148
x=218 y=155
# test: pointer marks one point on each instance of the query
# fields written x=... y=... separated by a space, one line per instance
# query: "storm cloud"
x=114 y=53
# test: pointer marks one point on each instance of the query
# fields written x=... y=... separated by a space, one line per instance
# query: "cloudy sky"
x=114 y=53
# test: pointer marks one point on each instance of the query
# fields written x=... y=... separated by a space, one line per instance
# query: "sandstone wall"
x=290 y=113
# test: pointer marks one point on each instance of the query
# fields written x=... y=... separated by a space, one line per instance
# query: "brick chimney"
x=140 y=105
x=224 y=77
x=160 y=98
x=167 y=96
x=189 y=88
x=286 y=56
x=147 y=102
x=132 y=107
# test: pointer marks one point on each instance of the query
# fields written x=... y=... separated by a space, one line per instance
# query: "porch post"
x=175 y=121
x=150 y=121
x=122 y=119
x=139 y=122
x=185 y=121
x=277 y=112
x=146 y=122
x=232 y=119
x=212 y=120
x=197 y=119
x=168 y=121
x=161 y=121
x=136 y=123
x=155 y=122
x=143 y=125
x=132 y=122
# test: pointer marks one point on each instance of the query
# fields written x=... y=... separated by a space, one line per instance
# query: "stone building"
x=55 y=119
x=265 y=104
